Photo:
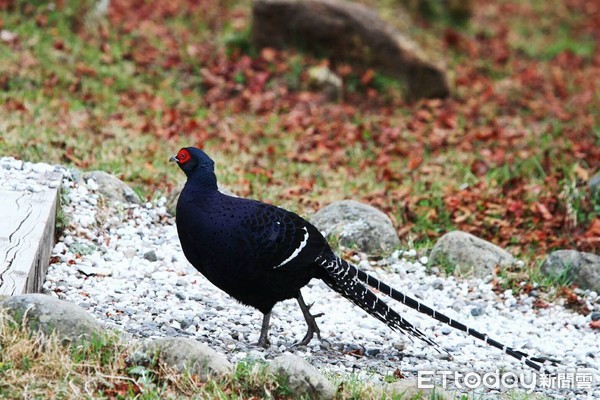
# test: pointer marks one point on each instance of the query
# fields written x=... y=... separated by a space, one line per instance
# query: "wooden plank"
x=27 y=224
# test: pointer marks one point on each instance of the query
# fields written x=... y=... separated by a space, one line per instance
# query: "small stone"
x=372 y=352
x=469 y=254
x=438 y=284
x=150 y=256
x=302 y=378
x=130 y=252
x=357 y=225
x=111 y=187
x=477 y=311
x=595 y=316
x=400 y=346
x=186 y=354
x=322 y=78
x=573 y=266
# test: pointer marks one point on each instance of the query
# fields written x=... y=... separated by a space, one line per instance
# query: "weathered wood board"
x=27 y=224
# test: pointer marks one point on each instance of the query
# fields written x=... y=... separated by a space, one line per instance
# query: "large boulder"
x=40 y=312
x=302 y=378
x=357 y=225
x=351 y=32
x=571 y=266
x=184 y=354
x=468 y=254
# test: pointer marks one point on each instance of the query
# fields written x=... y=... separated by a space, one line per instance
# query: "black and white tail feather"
x=348 y=280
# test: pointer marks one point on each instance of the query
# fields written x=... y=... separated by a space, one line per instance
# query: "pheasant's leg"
x=263 y=340
x=310 y=322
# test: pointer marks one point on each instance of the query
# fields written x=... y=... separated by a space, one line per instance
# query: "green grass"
x=38 y=366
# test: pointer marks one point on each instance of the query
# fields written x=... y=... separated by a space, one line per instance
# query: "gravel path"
x=125 y=266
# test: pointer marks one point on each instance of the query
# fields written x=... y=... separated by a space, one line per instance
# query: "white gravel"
x=124 y=264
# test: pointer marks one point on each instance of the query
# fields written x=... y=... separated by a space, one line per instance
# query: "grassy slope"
x=506 y=158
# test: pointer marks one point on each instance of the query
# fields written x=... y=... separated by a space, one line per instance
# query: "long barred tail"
x=344 y=273
x=344 y=283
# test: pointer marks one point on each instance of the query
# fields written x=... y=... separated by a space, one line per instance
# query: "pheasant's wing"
x=282 y=239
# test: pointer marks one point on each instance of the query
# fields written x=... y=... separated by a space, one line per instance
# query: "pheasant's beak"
x=173 y=159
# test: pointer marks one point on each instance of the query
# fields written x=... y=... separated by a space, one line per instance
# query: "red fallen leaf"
x=539 y=303
x=464 y=214
x=344 y=70
x=581 y=172
x=595 y=324
x=367 y=77
x=414 y=161
x=594 y=229
x=41 y=20
x=547 y=215
x=447 y=119
x=59 y=44
x=515 y=206
x=452 y=202
x=479 y=167
x=14 y=105
x=356 y=352
x=268 y=54
x=82 y=69
x=423 y=115
x=398 y=374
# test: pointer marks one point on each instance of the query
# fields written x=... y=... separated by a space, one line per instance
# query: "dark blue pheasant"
x=261 y=254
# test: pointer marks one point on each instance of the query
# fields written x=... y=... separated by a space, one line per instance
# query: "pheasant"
x=261 y=254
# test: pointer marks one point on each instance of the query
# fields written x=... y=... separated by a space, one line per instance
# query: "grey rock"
x=372 y=352
x=184 y=354
x=357 y=225
x=477 y=311
x=47 y=314
x=594 y=185
x=408 y=389
x=595 y=316
x=112 y=188
x=469 y=254
x=150 y=256
x=582 y=269
x=348 y=32
x=301 y=377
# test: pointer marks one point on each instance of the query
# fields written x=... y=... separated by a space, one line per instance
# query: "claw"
x=263 y=342
x=310 y=322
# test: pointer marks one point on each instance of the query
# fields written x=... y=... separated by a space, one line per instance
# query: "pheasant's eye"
x=183 y=156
